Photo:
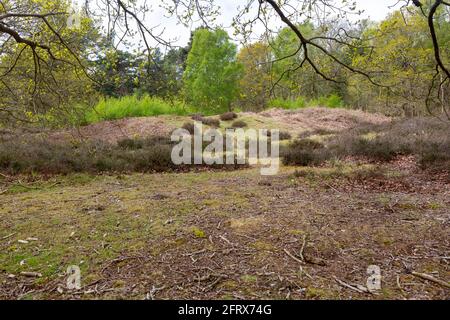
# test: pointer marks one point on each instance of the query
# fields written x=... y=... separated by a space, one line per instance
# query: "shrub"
x=130 y=144
x=134 y=106
x=197 y=117
x=189 y=126
x=427 y=139
x=38 y=155
x=239 y=124
x=212 y=122
x=284 y=135
x=294 y=104
x=35 y=154
x=332 y=101
x=304 y=153
x=228 y=116
x=374 y=149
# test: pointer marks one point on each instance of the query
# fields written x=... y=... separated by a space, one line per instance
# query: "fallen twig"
x=4 y=176
x=342 y=283
x=431 y=278
x=8 y=236
x=31 y=274
x=293 y=257
x=151 y=294
x=303 y=248
x=226 y=240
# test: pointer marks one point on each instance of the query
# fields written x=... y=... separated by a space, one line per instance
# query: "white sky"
x=373 y=9
x=179 y=34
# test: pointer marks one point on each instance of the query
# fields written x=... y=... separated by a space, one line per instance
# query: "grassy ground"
x=230 y=235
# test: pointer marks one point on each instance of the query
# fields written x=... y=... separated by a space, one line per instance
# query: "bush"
x=228 y=116
x=428 y=139
x=239 y=124
x=130 y=144
x=134 y=106
x=374 y=149
x=305 y=152
x=284 y=135
x=294 y=104
x=332 y=101
x=36 y=155
x=212 y=122
x=197 y=117
x=189 y=126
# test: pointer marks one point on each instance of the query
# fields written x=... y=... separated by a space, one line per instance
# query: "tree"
x=43 y=65
x=400 y=49
x=22 y=22
x=212 y=73
x=255 y=84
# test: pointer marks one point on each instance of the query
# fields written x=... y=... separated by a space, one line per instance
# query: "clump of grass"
x=212 y=122
x=239 y=124
x=228 y=116
x=197 y=117
x=134 y=106
x=284 y=135
x=305 y=152
x=209 y=121
x=198 y=233
x=189 y=126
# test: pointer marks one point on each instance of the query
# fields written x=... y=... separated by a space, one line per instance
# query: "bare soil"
x=229 y=235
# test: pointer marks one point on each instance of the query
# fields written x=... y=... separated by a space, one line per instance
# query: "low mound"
x=293 y=122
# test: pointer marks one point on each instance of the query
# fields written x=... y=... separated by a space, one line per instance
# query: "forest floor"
x=307 y=233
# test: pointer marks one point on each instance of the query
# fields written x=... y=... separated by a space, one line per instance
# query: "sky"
x=373 y=9
x=179 y=35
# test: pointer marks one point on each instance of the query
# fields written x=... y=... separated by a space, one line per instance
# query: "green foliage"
x=212 y=73
x=401 y=49
x=33 y=84
x=256 y=81
x=332 y=101
x=297 y=103
x=134 y=106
